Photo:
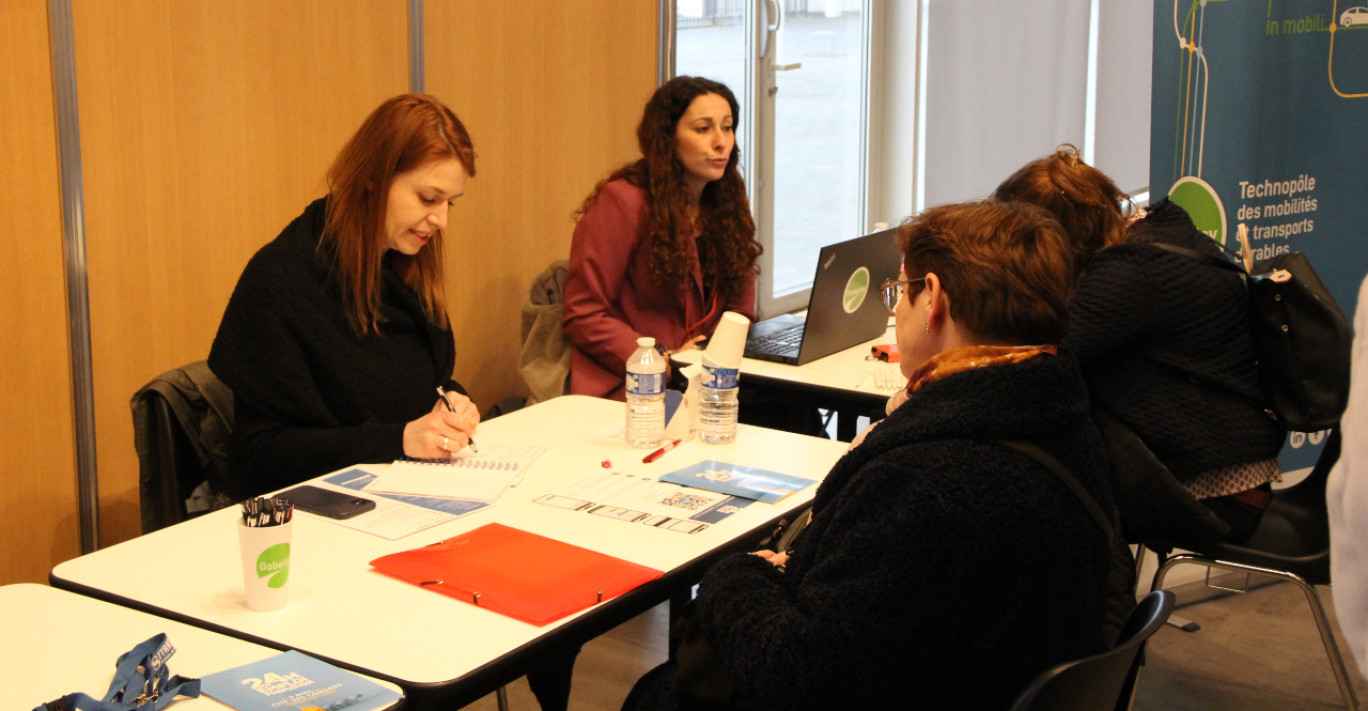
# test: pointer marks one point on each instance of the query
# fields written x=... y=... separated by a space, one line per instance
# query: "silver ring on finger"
x=444 y=443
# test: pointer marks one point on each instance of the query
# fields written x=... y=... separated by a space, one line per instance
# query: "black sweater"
x=311 y=396
x=1164 y=343
x=940 y=570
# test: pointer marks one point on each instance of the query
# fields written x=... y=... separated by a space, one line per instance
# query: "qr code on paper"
x=685 y=500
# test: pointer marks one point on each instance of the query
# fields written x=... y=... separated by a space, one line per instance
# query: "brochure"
x=736 y=480
x=294 y=680
x=637 y=498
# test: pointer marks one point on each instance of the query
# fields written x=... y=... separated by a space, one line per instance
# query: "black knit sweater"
x=940 y=570
x=1164 y=343
x=311 y=396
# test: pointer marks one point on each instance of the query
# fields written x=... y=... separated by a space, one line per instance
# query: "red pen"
x=660 y=452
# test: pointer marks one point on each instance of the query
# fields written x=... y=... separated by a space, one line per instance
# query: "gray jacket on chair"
x=203 y=408
x=544 y=363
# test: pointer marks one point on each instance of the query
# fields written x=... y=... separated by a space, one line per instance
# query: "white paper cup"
x=265 y=564
x=728 y=342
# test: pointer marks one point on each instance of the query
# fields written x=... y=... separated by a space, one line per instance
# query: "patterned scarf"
x=957 y=360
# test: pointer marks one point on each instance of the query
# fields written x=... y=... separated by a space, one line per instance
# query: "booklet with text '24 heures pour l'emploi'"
x=295 y=681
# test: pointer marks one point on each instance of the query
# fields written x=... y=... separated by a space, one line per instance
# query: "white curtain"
x=1007 y=82
x=1124 y=70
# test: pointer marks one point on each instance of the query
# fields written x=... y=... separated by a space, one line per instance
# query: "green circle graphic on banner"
x=855 y=289
x=1202 y=204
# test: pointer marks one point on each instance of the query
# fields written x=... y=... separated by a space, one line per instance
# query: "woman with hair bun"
x=1165 y=344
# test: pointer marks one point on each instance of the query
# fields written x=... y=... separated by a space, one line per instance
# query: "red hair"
x=403 y=134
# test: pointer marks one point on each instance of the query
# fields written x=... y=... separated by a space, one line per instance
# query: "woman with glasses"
x=1165 y=345
x=892 y=290
x=935 y=552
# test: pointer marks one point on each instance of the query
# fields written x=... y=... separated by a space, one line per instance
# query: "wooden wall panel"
x=551 y=93
x=38 y=511
x=205 y=127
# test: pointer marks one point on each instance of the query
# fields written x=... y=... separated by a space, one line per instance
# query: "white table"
x=58 y=643
x=437 y=648
x=843 y=381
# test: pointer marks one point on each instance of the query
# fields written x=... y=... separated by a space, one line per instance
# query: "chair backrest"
x=1304 y=502
x=1102 y=682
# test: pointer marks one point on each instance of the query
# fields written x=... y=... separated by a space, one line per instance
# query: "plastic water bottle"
x=645 y=395
x=717 y=403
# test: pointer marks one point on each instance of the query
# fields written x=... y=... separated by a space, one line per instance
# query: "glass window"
x=799 y=69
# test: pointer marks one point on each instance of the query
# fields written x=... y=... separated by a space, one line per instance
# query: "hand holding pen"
x=445 y=429
x=446 y=400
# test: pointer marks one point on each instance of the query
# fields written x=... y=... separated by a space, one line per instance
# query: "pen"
x=660 y=452
x=470 y=441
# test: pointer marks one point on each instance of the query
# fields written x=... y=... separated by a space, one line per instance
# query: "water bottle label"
x=720 y=378
x=647 y=384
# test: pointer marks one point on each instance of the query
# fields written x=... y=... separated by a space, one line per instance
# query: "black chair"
x=181 y=423
x=1102 y=682
x=1292 y=544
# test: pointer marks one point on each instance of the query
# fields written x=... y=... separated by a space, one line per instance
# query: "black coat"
x=940 y=570
x=310 y=394
x=1164 y=342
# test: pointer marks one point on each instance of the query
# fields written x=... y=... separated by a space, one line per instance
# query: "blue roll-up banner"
x=1260 y=116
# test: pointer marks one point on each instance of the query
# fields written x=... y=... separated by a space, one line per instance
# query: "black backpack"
x=1302 y=339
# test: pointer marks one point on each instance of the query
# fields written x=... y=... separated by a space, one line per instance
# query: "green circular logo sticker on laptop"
x=1202 y=204
x=857 y=286
x=274 y=562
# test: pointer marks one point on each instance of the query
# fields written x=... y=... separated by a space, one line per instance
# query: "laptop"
x=844 y=307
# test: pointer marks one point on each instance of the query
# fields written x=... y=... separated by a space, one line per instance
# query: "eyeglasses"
x=893 y=289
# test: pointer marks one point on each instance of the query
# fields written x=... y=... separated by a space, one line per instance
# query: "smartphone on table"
x=327 y=502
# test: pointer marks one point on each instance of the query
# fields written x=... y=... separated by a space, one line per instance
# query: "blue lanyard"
x=142 y=682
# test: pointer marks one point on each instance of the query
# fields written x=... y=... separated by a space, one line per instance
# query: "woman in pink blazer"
x=664 y=245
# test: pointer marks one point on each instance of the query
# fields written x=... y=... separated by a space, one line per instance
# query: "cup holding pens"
x=265 y=564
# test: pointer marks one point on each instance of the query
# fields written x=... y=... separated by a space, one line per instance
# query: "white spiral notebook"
x=467 y=475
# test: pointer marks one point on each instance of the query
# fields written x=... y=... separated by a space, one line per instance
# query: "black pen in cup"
x=470 y=441
x=262 y=512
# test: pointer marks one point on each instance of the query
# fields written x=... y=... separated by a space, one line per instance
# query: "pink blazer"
x=611 y=298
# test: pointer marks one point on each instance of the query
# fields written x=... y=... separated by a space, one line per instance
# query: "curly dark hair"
x=727 y=249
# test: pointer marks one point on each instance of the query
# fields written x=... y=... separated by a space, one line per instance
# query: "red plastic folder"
x=515 y=573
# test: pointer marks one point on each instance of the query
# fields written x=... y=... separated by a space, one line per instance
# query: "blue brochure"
x=746 y=482
x=295 y=680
